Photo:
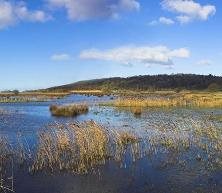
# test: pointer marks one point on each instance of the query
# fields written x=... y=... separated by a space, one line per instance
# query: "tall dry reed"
x=79 y=147
x=69 y=110
x=184 y=100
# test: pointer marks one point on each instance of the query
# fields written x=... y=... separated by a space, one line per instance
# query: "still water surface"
x=145 y=175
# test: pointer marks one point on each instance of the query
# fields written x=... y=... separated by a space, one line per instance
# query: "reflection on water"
x=152 y=173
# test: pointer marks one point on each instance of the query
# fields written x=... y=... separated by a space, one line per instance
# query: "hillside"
x=148 y=82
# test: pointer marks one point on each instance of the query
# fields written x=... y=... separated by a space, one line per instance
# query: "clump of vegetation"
x=137 y=111
x=78 y=147
x=127 y=138
x=216 y=118
x=202 y=100
x=135 y=102
x=69 y=110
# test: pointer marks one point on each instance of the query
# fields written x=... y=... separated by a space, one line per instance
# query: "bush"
x=214 y=87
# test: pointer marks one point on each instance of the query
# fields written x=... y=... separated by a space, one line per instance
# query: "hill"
x=148 y=82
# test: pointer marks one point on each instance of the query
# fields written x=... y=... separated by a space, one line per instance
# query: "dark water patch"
x=140 y=177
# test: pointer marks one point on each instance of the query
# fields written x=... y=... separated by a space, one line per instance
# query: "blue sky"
x=53 y=42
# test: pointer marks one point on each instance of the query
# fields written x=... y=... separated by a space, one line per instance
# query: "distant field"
x=30 y=96
x=35 y=94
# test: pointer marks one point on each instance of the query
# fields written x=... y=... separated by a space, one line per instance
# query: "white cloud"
x=189 y=10
x=205 y=62
x=166 y=21
x=60 y=57
x=162 y=20
x=153 y=23
x=12 y=13
x=80 y=10
x=183 y=19
x=131 y=55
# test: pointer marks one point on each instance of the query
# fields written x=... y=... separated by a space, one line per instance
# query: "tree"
x=214 y=87
x=16 y=92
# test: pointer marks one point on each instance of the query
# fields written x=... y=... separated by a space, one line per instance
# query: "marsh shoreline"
x=157 y=169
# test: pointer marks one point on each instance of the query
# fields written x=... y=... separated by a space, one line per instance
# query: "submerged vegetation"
x=185 y=142
x=190 y=141
x=74 y=147
x=216 y=118
x=68 y=110
x=79 y=147
x=6 y=166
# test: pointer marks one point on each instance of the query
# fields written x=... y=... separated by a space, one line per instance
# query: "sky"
x=48 y=43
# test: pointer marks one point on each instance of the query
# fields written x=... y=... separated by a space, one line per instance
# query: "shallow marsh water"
x=162 y=172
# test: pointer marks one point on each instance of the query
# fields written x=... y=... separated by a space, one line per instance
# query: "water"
x=163 y=173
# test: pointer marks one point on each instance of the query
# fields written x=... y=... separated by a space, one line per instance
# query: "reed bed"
x=188 y=140
x=70 y=110
x=209 y=100
x=216 y=117
x=75 y=147
x=79 y=147
x=154 y=102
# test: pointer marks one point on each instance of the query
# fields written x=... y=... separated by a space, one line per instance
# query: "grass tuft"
x=127 y=138
x=69 y=110
x=137 y=111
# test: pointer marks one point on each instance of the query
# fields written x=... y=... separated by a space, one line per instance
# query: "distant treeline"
x=148 y=82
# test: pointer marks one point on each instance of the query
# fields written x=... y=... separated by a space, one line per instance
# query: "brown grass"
x=98 y=93
x=202 y=100
x=69 y=110
x=127 y=138
x=79 y=147
x=87 y=91
x=137 y=111
x=30 y=97
x=146 y=102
